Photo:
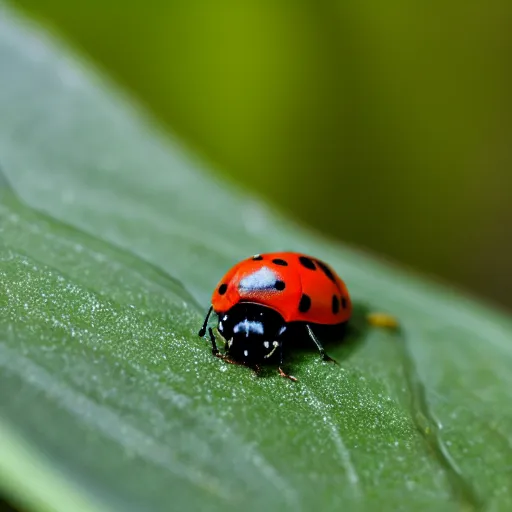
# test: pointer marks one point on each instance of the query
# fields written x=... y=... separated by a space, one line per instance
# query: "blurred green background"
x=385 y=124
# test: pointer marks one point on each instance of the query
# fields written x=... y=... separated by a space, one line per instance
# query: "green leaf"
x=112 y=239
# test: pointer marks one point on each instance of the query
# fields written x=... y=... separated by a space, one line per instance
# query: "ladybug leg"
x=257 y=370
x=321 y=349
x=286 y=376
x=281 y=373
x=202 y=331
x=215 y=350
x=227 y=359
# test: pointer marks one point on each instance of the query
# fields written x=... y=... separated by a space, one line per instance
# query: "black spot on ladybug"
x=222 y=288
x=326 y=270
x=343 y=302
x=335 y=305
x=280 y=285
x=305 y=303
x=279 y=261
x=257 y=257
x=307 y=262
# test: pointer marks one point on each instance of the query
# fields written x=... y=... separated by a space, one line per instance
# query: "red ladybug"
x=267 y=300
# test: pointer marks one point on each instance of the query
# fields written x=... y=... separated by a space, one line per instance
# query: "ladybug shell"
x=299 y=287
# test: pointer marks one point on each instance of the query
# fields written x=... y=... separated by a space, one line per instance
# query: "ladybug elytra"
x=267 y=300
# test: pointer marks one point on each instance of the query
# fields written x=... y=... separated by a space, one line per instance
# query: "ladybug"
x=270 y=300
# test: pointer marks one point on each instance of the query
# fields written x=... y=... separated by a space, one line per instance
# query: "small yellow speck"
x=383 y=320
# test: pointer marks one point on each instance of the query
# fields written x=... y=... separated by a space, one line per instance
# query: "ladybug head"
x=252 y=331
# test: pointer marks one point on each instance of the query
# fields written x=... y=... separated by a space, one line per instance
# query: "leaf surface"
x=112 y=239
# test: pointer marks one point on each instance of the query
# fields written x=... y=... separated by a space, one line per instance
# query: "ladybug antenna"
x=202 y=331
